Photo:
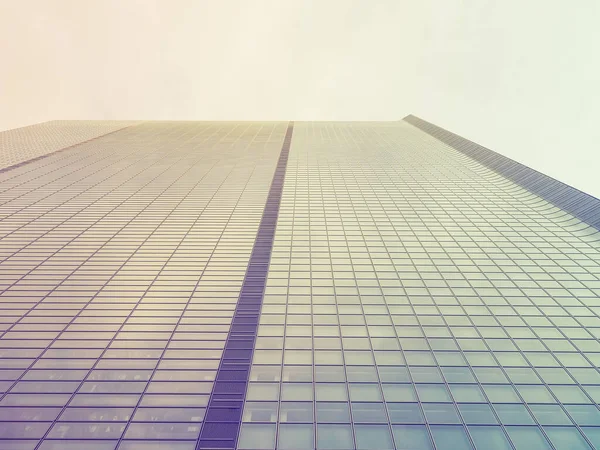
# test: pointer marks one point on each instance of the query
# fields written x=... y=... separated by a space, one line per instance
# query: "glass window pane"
x=584 y=414
x=489 y=438
x=550 y=415
x=24 y=430
x=295 y=437
x=363 y=374
x=490 y=375
x=296 y=412
x=566 y=438
x=333 y=412
x=467 y=393
x=527 y=438
x=441 y=413
x=19 y=445
x=263 y=391
x=373 y=437
x=162 y=431
x=593 y=434
x=450 y=438
x=334 y=437
x=405 y=413
x=297 y=374
x=399 y=393
x=296 y=392
x=257 y=437
x=325 y=374
x=570 y=394
x=364 y=392
x=477 y=413
x=260 y=412
x=500 y=393
x=390 y=374
x=78 y=445
x=536 y=394
x=514 y=415
x=426 y=375
x=369 y=413
x=86 y=430
x=265 y=373
x=331 y=392
x=411 y=437
x=433 y=393
x=30 y=414
x=458 y=375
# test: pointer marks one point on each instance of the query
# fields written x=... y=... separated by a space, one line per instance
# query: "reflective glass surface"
x=414 y=298
x=418 y=300
x=121 y=260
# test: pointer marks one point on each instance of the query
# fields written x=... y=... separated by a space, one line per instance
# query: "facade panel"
x=122 y=261
x=416 y=299
x=413 y=298
x=22 y=145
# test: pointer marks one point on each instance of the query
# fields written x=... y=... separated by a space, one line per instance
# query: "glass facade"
x=412 y=298
x=25 y=144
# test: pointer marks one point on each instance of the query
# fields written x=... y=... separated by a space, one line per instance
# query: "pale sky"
x=521 y=77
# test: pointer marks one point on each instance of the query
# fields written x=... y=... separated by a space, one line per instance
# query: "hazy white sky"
x=520 y=77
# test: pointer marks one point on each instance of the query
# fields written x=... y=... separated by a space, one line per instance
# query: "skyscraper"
x=377 y=285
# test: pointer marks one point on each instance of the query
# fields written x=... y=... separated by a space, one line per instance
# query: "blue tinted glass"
x=296 y=412
x=450 y=438
x=364 y=392
x=426 y=375
x=527 y=438
x=326 y=374
x=513 y=414
x=399 y=393
x=441 y=413
x=490 y=375
x=584 y=414
x=550 y=415
x=489 y=438
x=501 y=393
x=477 y=413
x=333 y=412
x=405 y=413
x=593 y=435
x=257 y=436
x=332 y=437
x=458 y=375
x=295 y=437
x=433 y=393
x=571 y=394
x=331 y=392
x=467 y=393
x=373 y=437
x=411 y=437
x=536 y=394
x=259 y=412
x=393 y=374
x=369 y=413
x=566 y=438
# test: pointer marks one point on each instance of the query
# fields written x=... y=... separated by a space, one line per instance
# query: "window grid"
x=149 y=244
x=476 y=295
x=414 y=298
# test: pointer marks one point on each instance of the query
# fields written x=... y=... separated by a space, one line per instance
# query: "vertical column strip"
x=223 y=417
